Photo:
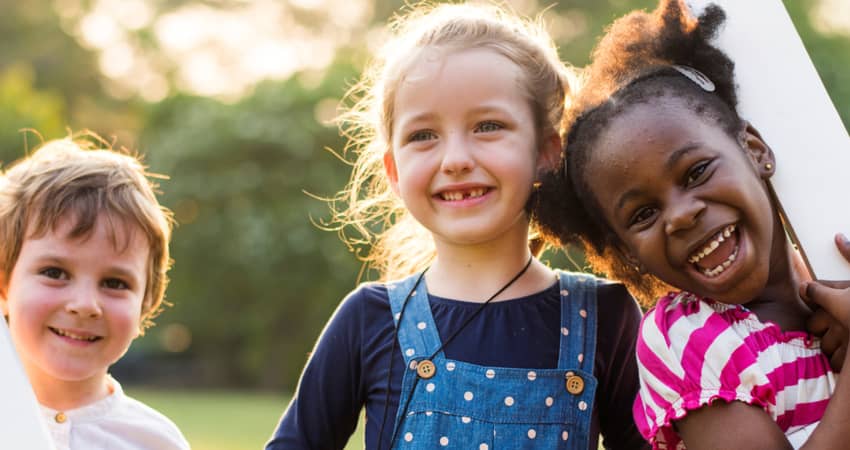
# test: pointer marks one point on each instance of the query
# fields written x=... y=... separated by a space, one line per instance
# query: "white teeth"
x=454 y=196
x=722 y=266
x=712 y=246
x=74 y=336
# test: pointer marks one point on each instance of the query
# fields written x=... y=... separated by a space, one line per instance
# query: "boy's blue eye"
x=54 y=272
x=696 y=173
x=488 y=127
x=422 y=135
x=114 y=283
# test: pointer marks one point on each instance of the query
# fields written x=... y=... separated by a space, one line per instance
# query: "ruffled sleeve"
x=690 y=353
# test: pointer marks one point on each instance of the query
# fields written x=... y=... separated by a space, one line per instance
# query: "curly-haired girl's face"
x=687 y=203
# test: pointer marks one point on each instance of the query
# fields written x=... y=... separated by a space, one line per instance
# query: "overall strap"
x=417 y=334
x=578 y=321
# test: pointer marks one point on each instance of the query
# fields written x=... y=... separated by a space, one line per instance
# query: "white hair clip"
x=696 y=76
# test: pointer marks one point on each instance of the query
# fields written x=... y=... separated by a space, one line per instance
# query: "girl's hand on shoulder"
x=834 y=298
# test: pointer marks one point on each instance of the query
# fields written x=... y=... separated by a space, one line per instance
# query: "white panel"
x=21 y=425
x=781 y=94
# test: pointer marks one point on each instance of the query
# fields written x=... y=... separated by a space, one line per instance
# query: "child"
x=84 y=252
x=673 y=183
x=492 y=348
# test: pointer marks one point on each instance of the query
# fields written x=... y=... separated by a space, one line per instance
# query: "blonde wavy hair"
x=70 y=178
x=367 y=214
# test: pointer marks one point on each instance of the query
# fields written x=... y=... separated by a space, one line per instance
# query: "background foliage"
x=255 y=279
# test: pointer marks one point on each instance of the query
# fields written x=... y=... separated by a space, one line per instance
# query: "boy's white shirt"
x=116 y=422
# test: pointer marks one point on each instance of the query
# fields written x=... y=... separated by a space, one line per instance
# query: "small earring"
x=768 y=166
x=536 y=185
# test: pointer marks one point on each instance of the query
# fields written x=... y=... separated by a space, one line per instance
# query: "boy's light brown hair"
x=71 y=179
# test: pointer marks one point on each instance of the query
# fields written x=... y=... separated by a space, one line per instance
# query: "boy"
x=83 y=262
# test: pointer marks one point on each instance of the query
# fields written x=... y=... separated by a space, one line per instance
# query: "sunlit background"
x=233 y=100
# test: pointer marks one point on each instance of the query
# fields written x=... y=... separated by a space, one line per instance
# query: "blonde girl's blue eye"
x=488 y=126
x=115 y=283
x=421 y=135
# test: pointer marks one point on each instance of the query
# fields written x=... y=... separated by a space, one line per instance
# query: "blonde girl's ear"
x=391 y=170
x=4 y=300
x=549 y=155
x=758 y=151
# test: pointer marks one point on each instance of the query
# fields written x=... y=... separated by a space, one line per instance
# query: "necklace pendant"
x=426 y=369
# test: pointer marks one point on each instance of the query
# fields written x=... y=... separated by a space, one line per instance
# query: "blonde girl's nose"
x=457 y=157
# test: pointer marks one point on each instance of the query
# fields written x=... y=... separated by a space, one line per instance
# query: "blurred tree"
x=253 y=278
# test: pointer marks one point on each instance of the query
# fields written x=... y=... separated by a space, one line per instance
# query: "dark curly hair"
x=632 y=64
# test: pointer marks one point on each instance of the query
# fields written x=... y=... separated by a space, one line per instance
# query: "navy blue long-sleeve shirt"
x=348 y=367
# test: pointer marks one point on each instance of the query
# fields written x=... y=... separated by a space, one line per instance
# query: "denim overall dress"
x=454 y=404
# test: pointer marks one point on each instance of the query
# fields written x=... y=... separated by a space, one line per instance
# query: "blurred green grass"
x=224 y=420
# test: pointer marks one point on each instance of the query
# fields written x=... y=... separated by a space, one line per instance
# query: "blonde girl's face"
x=464 y=154
x=74 y=304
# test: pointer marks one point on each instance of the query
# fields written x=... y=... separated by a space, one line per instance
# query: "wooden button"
x=575 y=384
x=60 y=417
x=426 y=369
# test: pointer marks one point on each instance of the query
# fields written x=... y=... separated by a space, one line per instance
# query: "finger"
x=818 y=323
x=836 y=361
x=836 y=302
x=837 y=284
x=833 y=339
x=843 y=244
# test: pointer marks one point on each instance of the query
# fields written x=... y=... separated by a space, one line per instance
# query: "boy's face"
x=74 y=304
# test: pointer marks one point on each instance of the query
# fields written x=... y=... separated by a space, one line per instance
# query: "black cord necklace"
x=427 y=361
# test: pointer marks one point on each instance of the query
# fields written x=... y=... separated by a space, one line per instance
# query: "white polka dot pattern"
x=582 y=405
x=468 y=396
x=444 y=441
x=550 y=401
x=465 y=419
x=490 y=373
x=509 y=401
x=483 y=447
x=410 y=352
x=565 y=435
x=408 y=436
x=565 y=331
x=450 y=366
x=421 y=325
x=430 y=387
x=532 y=433
x=532 y=375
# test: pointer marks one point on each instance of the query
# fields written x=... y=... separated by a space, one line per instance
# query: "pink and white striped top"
x=692 y=351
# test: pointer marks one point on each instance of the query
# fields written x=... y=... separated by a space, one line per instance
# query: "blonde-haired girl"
x=483 y=346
